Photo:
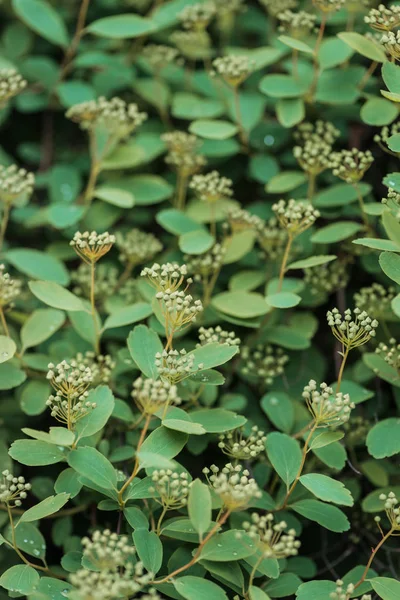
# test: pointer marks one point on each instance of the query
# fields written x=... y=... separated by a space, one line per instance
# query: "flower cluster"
x=233 y=69
x=385 y=133
x=390 y=353
x=263 y=362
x=172 y=488
x=100 y=366
x=13 y=489
x=351 y=165
x=179 y=309
x=328 y=6
x=274 y=7
x=183 y=152
x=240 y=447
x=205 y=265
x=14 y=182
x=352 y=329
x=197 y=16
x=241 y=220
x=193 y=45
x=11 y=84
x=211 y=187
x=234 y=486
x=10 y=288
x=392 y=509
x=137 y=247
x=327 y=278
x=91 y=246
x=356 y=430
x=151 y=395
x=314 y=148
x=71 y=382
x=105 y=283
x=217 y=335
x=375 y=299
x=167 y=277
x=343 y=592
x=384 y=18
x=272 y=539
x=392 y=201
x=160 y=56
x=296 y=24
x=328 y=409
x=271 y=238
x=295 y=215
x=174 y=366
x=107 y=550
x=115 y=116
x=391 y=42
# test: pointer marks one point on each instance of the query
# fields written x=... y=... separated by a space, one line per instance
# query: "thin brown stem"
x=340 y=375
x=301 y=467
x=311 y=186
x=136 y=465
x=4 y=222
x=181 y=188
x=371 y=558
x=367 y=75
x=160 y=520
x=4 y=322
x=71 y=50
x=284 y=262
x=320 y=35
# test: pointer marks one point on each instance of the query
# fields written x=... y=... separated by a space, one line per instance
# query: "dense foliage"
x=199 y=299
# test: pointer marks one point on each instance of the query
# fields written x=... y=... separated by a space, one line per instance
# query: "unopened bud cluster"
x=14 y=182
x=271 y=238
x=375 y=299
x=390 y=353
x=263 y=362
x=205 y=265
x=197 y=16
x=91 y=246
x=315 y=141
x=391 y=42
x=172 y=488
x=179 y=309
x=328 y=409
x=10 y=288
x=234 y=486
x=13 y=489
x=240 y=447
x=351 y=165
x=329 y=5
x=392 y=509
x=274 y=7
x=392 y=201
x=352 y=329
x=107 y=550
x=71 y=382
x=115 y=115
x=217 y=335
x=356 y=430
x=326 y=279
x=11 y=84
x=384 y=18
x=241 y=220
x=385 y=133
x=174 y=366
x=233 y=69
x=100 y=366
x=151 y=395
x=211 y=187
x=137 y=247
x=183 y=152
x=160 y=56
x=295 y=215
x=229 y=7
x=272 y=538
x=296 y=24
x=167 y=277
x=193 y=44
x=344 y=592
x=105 y=282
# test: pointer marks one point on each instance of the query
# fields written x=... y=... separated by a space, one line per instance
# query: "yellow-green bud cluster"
x=384 y=18
x=320 y=131
x=263 y=362
x=91 y=246
x=314 y=147
x=344 y=592
x=151 y=395
x=206 y=264
x=10 y=288
x=272 y=538
x=233 y=69
x=351 y=165
x=296 y=24
x=183 y=152
x=167 y=277
x=100 y=365
x=71 y=382
x=137 y=247
x=329 y=5
x=13 y=489
x=107 y=550
x=295 y=215
x=211 y=187
x=390 y=353
x=11 y=84
x=385 y=133
x=392 y=201
x=375 y=299
x=326 y=279
x=160 y=56
x=238 y=446
x=352 y=329
x=241 y=220
x=328 y=409
x=193 y=45
x=116 y=116
x=217 y=335
x=391 y=42
x=197 y=16
x=14 y=182
x=392 y=509
x=130 y=292
x=174 y=366
x=234 y=486
x=179 y=308
x=229 y=7
x=356 y=430
x=172 y=488
x=274 y=7
x=105 y=282
x=271 y=238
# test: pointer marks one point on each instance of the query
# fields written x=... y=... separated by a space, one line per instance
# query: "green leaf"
x=143 y=345
x=241 y=304
x=325 y=439
x=212 y=355
x=384 y=438
x=33 y=397
x=393 y=142
x=11 y=376
x=290 y=111
x=7 y=348
x=391 y=76
x=330 y=517
x=283 y=300
x=285 y=455
x=39 y=265
x=225 y=547
x=197 y=588
x=114 y=196
x=392 y=227
x=285 y=182
x=284 y=86
x=93 y=465
x=295 y=44
x=279 y=409
x=97 y=418
x=340 y=194
x=149 y=548
x=61 y=436
x=256 y=593
x=35 y=453
x=20 y=578
x=128 y=314
x=68 y=481
x=55 y=295
x=199 y=507
x=177 y=222
x=378 y=112
x=333 y=52
x=315 y=590
x=148 y=189
x=121 y=26
x=326 y=488
x=41 y=325
x=29 y=539
x=49 y=506
x=286 y=585
x=164 y=442
x=386 y=587
x=390 y=265
x=43 y=19
x=372 y=503
x=217 y=420
x=196 y=242
x=336 y=232
x=212 y=129
x=364 y=46
x=313 y=261
x=189 y=106
x=377 y=244
x=183 y=425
